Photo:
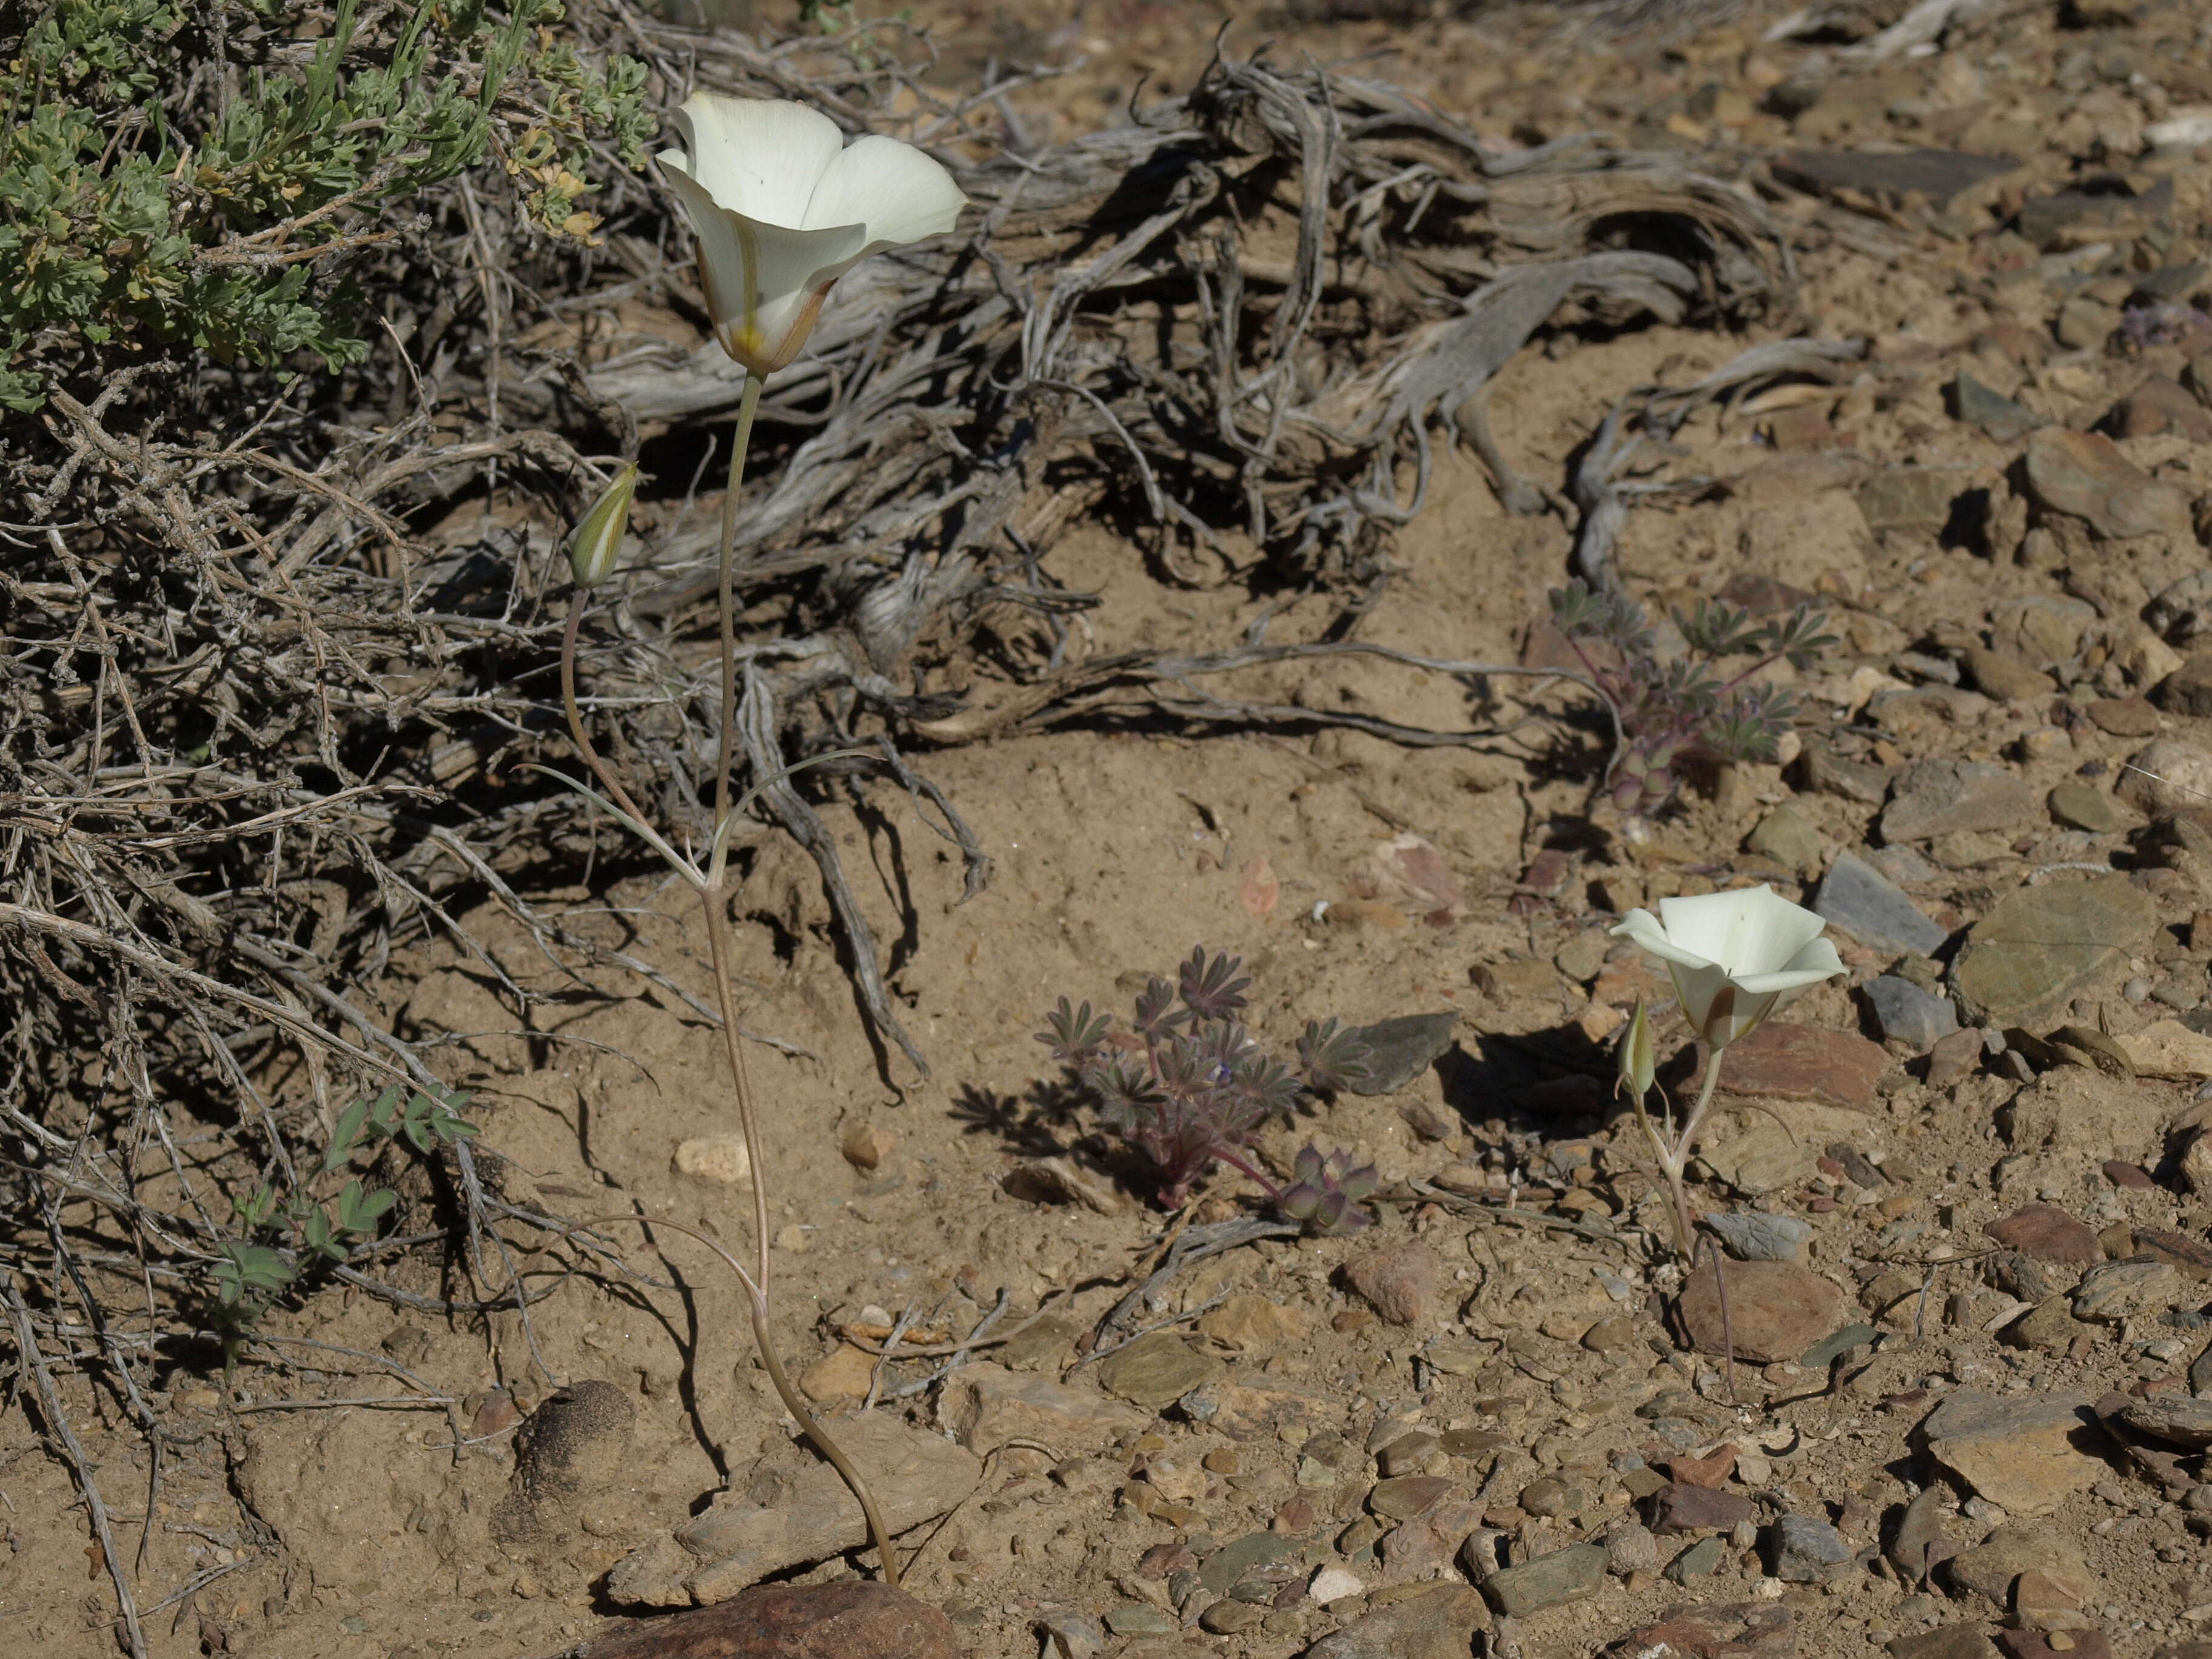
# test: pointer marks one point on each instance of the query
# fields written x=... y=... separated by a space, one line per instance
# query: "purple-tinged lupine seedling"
x=1670 y=712
x=1189 y=1086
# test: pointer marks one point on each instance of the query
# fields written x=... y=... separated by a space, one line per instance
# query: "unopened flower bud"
x=1638 y=1053
x=599 y=538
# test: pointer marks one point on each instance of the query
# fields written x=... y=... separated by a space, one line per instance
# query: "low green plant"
x=283 y=1236
x=131 y=217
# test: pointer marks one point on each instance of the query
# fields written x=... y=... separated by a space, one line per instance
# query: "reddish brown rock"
x=1743 y=1629
x=2158 y=405
x=1954 y=1057
x=1399 y=1282
x=1679 y=1507
x=848 y=1621
x=2186 y=1256
x=1776 y=1310
x=1712 y=1470
x=2047 y=1233
x=2134 y=1177
x=2124 y=717
x=1806 y=1062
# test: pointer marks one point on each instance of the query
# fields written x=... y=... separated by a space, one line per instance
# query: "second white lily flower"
x=783 y=207
x=1734 y=957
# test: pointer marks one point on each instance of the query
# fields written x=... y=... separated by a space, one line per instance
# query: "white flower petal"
x=1643 y=929
x=762 y=157
x=1751 y=930
x=899 y=193
x=1696 y=988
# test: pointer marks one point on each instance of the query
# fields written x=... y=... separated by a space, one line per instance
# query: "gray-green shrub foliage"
x=199 y=175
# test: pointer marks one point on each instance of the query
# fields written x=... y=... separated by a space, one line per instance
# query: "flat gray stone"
x=1549 y=1581
x=1399 y=1050
x=1905 y=1013
x=1754 y=1236
x=1908 y=498
x=1943 y=796
x=1438 y=1624
x=1805 y=1551
x=2040 y=947
x=2086 y=476
x=1937 y=175
x=1991 y=410
x=1856 y=899
x=2170 y=1417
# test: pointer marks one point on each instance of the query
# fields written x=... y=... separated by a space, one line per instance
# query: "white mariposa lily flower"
x=783 y=207
x=1734 y=957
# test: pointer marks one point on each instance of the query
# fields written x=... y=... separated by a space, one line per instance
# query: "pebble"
x=1437 y=1622
x=1695 y=1562
x=1400 y=1049
x=1944 y=797
x=1994 y=413
x=1945 y=1642
x=987 y=1406
x=2166 y=776
x=1071 y=1636
x=1907 y=497
x=1954 y=1057
x=1254 y=1324
x=842 y=1375
x=1741 y=1630
x=1680 y=1507
x=2047 y=1233
x=1756 y=1236
x=1630 y=1546
x=2160 y=405
x=1334 y=1583
x=2114 y=1291
x=1549 y=1581
x=1229 y=1617
x=1804 y=1550
x=2124 y=717
x=1822 y=771
x=1157 y=1369
x=1777 y=1310
x=1398 y=1281
x=1787 y=837
x=719 y=1157
x=2078 y=806
x=866 y=1147
x=1991 y=1567
x=1790 y=1062
x=1230 y=1563
x=1406 y=1496
x=2085 y=474
x=1857 y=900
x=2176 y=1420
x=2025 y=1453
x=2188 y=689
x=1903 y=1012
x=2024 y=961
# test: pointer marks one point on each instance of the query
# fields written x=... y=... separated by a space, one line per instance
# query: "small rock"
x=2024 y=961
x=1787 y=837
x=1139 y=1619
x=1822 y=771
x=719 y=1157
x=1399 y=1050
x=2109 y=1294
x=1756 y=1236
x=849 y=1619
x=1063 y=1180
x=1903 y=1012
x=1857 y=900
x=2188 y=689
x=2049 y=1328
x=1744 y=1630
x=1908 y=498
x=1334 y=1583
x=842 y=1375
x=1803 y=1551
x=1763 y=1157
x=987 y=1406
x=2125 y=717
x=1991 y=1567
x=2047 y=1233
x=2078 y=1643
x=1071 y=1636
x=1954 y=1057
x=1254 y=1324
x=2001 y=674
x=1998 y=416
x=1630 y=1546
x=2083 y=474
x=1702 y=1557
x=1816 y=1063
x=1406 y=1496
x=1944 y=797
x=1157 y=1369
x=1230 y=1617
x=1438 y=1623
x=2025 y=1453
x=1777 y=1310
x=2042 y=630
x=2168 y=1048
x=2160 y=405
x=1398 y=1281
x=866 y=1147
x=2185 y=1254
x=1679 y=1506
x=1228 y=1565
x=2078 y=806
x=2166 y=777
x=2170 y=1417
x=2084 y=323
x=1549 y=1581
x=1945 y=1642
x=569 y=1449
x=1937 y=175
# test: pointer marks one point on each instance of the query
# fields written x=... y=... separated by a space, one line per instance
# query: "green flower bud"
x=1638 y=1053
x=599 y=538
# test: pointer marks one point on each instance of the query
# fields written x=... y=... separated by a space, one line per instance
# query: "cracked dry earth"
x=1964 y=1195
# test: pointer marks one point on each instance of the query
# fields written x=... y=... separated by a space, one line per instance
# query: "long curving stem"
x=1672 y=1149
x=757 y=1298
